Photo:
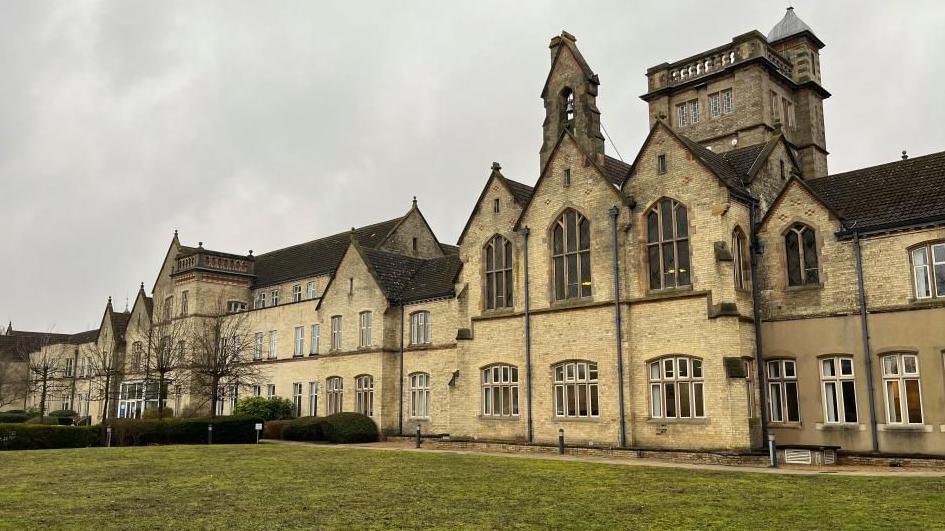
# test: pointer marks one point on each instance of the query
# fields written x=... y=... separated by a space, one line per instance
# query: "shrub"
x=44 y=420
x=274 y=408
x=226 y=430
x=156 y=413
x=34 y=437
x=9 y=417
x=345 y=428
x=304 y=429
x=274 y=429
x=63 y=413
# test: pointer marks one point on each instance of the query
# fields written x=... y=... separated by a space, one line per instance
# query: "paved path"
x=838 y=470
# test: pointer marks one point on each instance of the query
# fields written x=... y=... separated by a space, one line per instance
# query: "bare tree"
x=45 y=366
x=104 y=367
x=165 y=352
x=14 y=378
x=221 y=354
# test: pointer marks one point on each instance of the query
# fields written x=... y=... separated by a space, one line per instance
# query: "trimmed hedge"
x=342 y=428
x=274 y=408
x=274 y=429
x=226 y=430
x=39 y=436
x=8 y=417
x=303 y=429
x=63 y=413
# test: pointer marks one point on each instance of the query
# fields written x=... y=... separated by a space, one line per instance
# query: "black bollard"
x=561 y=441
x=209 y=433
x=418 y=436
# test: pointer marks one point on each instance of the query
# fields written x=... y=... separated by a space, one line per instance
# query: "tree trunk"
x=107 y=397
x=161 y=395
x=42 y=399
x=214 y=391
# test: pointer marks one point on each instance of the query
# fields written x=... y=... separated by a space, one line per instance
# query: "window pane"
x=508 y=254
x=849 y=401
x=514 y=375
x=697 y=391
x=789 y=369
x=909 y=365
x=559 y=373
x=810 y=257
x=793 y=259
x=515 y=400
x=558 y=239
x=793 y=411
x=683 y=365
x=582 y=400
x=893 y=407
x=572 y=276
x=891 y=365
x=586 y=274
x=656 y=401
x=559 y=400
x=570 y=230
x=668 y=367
x=846 y=366
x=830 y=402
x=653 y=257
x=775 y=400
x=508 y=287
x=683 y=259
x=696 y=368
x=666 y=213
x=669 y=265
x=496 y=401
x=572 y=400
x=913 y=402
x=490 y=294
x=655 y=371
x=827 y=367
x=684 y=404
x=940 y=280
x=682 y=227
x=486 y=402
x=499 y=290
x=670 y=390
x=595 y=403
x=585 y=233
x=559 y=277
x=774 y=369
x=652 y=227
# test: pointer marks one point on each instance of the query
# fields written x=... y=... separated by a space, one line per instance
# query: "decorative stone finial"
x=904 y=155
x=251 y=252
x=200 y=245
x=109 y=300
x=175 y=233
x=496 y=166
x=414 y=201
x=142 y=286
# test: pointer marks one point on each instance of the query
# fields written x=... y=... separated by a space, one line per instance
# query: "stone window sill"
x=928 y=428
x=576 y=419
x=513 y=418
x=694 y=422
x=786 y=425
x=839 y=427
x=805 y=287
x=574 y=301
x=668 y=292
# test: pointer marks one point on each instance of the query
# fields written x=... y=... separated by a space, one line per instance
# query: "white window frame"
x=715 y=105
x=314 y=341
x=261 y=300
x=574 y=380
x=896 y=379
x=274 y=297
x=364 y=394
x=257 y=351
x=336 y=329
x=364 y=326
x=299 y=342
x=313 y=399
x=419 y=395
x=728 y=101
x=297 y=293
x=420 y=328
x=927 y=269
x=682 y=114
x=297 y=398
x=695 y=111
x=676 y=373
x=273 y=344
x=781 y=375
x=257 y=390
x=310 y=290
x=837 y=379
x=335 y=389
x=500 y=389
x=69 y=370
x=270 y=390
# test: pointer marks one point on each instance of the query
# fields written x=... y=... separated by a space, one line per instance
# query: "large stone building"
x=721 y=286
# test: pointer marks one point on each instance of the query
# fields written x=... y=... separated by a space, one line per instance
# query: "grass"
x=273 y=486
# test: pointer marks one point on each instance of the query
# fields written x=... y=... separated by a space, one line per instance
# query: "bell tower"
x=570 y=98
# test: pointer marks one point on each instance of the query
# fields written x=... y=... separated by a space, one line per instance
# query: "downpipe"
x=622 y=440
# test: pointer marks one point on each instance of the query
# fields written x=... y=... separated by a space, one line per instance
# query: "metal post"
x=561 y=441
x=108 y=436
x=771 y=451
x=209 y=433
x=622 y=432
x=529 y=424
x=418 y=436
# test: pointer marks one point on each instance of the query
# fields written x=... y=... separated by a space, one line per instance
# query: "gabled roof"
x=435 y=279
x=742 y=159
x=521 y=194
x=408 y=279
x=792 y=181
x=120 y=323
x=84 y=337
x=616 y=171
x=392 y=271
x=896 y=194
x=317 y=257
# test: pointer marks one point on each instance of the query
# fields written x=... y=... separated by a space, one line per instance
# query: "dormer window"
x=567 y=109
x=297 y=293
x=274 y=297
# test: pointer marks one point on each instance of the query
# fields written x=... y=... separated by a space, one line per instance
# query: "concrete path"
x=799 y=470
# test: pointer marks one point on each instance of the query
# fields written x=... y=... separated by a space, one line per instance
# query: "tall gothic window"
x=498 y=273
x=800 y=242
x=667 y=232
x=742 y=259
x=571 y=237
x=567 y=109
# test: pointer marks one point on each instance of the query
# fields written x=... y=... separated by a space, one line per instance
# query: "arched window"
x=364 y=394
x=567 y=109
x=676 y=388
x=498 y=288
x=500 y=391
x=576 y=389
x=572 y=256
x=420 y=395
x=800 y=243
x=740 y=253
x=667 y=236
x=336 y=394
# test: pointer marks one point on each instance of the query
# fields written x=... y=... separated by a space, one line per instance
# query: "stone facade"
x=680 y=345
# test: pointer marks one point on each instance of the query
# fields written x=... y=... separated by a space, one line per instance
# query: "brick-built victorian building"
x=721 y=286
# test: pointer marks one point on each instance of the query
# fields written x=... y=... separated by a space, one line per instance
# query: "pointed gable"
x=519 y=193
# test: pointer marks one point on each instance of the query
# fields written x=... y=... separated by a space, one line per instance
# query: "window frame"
x=561 y=256
x=741 y=256
x=421 y=328
x=274 y=297
x=419 y=398
x=674 y=379
x=315 y=339
x=335 y=394
x=297 y=293
x=901 y=378
x=364 y=394
x=837 y=380
x=258 y=346
x=779 y=380
x=727 y=98
x=675 y=241
x=310 y=289
x=570 y=380
x=313 y=399
x=298 y=349
x=799 y=230
x=365 y=322
x=273 y=345
x=935 y=290
x=297 y=398
x=336 y=331
x=504 y=391
x=185 y=302
x=495 y=273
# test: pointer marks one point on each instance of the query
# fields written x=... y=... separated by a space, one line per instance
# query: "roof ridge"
x=876 y=166
x=336 y=235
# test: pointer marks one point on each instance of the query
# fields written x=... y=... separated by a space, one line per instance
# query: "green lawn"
x=273 y=486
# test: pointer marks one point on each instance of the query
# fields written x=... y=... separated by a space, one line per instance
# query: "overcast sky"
x=259 y=125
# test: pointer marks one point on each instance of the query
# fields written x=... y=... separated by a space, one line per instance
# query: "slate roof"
x=393 y=270
x=120 y=323
x=84 y=337
x=890 y=195
x=436 y=278
x=449 y=249
x=317 y=257
x=521 y=193
x=19 y=344
x=789 y=25
x=743 y=158
x=616 y=171
x=717 y=164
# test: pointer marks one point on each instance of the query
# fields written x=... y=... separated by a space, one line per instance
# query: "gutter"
x=756 y=314
x=622 y=440
x=529 y=435
x=867 y=351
